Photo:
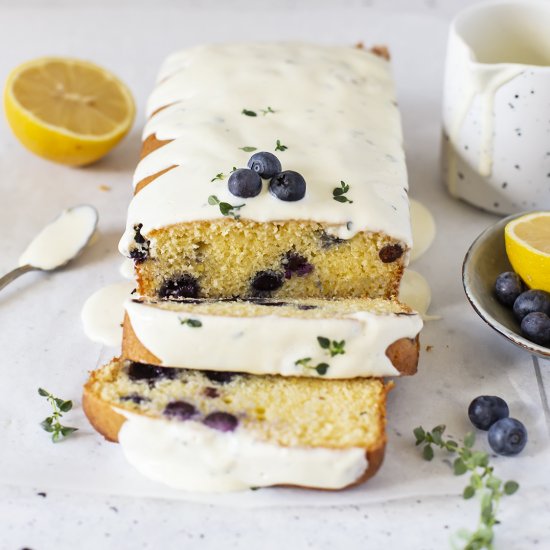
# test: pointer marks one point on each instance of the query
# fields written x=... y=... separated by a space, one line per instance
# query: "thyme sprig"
x=321 y=368
x=267 y=111
x=482 y=482
x=339 y=193
x=220 y=176
x=193 y=323
x=332 y=346
x=51 y=423
x=225 y=208
x=249 y=112
x=279 y=146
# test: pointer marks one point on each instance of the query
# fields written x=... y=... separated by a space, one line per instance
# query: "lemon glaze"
x=189 y=456
x=339 y=123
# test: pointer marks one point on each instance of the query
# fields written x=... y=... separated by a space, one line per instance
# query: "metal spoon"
x=58 y=225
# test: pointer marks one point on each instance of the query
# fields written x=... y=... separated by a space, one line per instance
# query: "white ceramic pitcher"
x=496 y=106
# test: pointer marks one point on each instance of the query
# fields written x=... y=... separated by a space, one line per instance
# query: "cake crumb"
x=104 y=187
x=429 y=348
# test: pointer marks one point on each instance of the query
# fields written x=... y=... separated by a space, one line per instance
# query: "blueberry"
x=222 y=377
x=267 y=281
x=485 y=410
x=288 y=186
x=223 y=422
x=390 y=253
x=134 y=398
x=143 y=371
x=328 y=241
x=210 y=392
x=141 y=251
x=508 y=287
x=181 y=286
x=536 y=327
x=265 y=164
x=296 y=264
x=532 y=300
x=244 y=183
x=507 y=436
x=180 y=410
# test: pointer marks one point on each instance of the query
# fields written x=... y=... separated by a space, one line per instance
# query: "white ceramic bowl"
x=484 y=261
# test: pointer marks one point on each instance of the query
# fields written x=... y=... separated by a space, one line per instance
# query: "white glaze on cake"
x=335 y=110
x=271 y=344
x=103 y=313
x=192 y=457
x=62 y=239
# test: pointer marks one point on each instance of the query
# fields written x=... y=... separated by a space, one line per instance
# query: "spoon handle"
x=12 y=275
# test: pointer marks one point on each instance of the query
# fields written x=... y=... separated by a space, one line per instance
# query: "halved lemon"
x=67 y=110
x=527 y=240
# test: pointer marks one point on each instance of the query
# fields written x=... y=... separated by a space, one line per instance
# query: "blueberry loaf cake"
x=270 y=170
x=344 y=338
x=211 y=431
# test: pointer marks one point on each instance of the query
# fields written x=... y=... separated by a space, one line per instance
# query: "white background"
x=92 y=499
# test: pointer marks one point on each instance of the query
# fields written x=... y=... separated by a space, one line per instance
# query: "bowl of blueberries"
x=499 y=296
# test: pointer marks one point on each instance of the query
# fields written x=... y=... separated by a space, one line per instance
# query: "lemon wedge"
x=67 y=110
x=527 y=240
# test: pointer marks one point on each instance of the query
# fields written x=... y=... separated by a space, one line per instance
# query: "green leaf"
x=323 y=342
x=303 y=362
x=56 y=436
x=510 y=487
x=486 y=507
x=219 y=176
x=428 y=452
x=469 y=492
x=66 y=406
x=322 y=368
x=469 y=440
x=67 y=431
x=419 y=434
x=280 y=147
x=193 y=323
x=451 y=445
x=248 y=112
x=459 y=467
x=212 y=199
x=248 y=149
x=436 y=437
x=43 y=392
x=47 y=424
x=341 y=199
x=225 y=208
x=338 y=191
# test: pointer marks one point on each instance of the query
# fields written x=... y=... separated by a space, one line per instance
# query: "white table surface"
x=410 y=504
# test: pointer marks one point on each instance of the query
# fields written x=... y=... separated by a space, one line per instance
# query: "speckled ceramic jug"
x=496 y=106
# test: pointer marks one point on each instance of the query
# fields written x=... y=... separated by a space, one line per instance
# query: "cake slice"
x=345 y=338
x=328 y=218
x=210 y=431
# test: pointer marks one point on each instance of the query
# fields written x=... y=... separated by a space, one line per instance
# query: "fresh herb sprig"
x=339 y=193
x=482 y=481
x=332 y=346
x=225 y=208
x=279 y=146
x=51 y=423
x=193 y=323
x=267 y=111
x=248 y=148
x=248 y=112
x=321 y=368
x=220 y=176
